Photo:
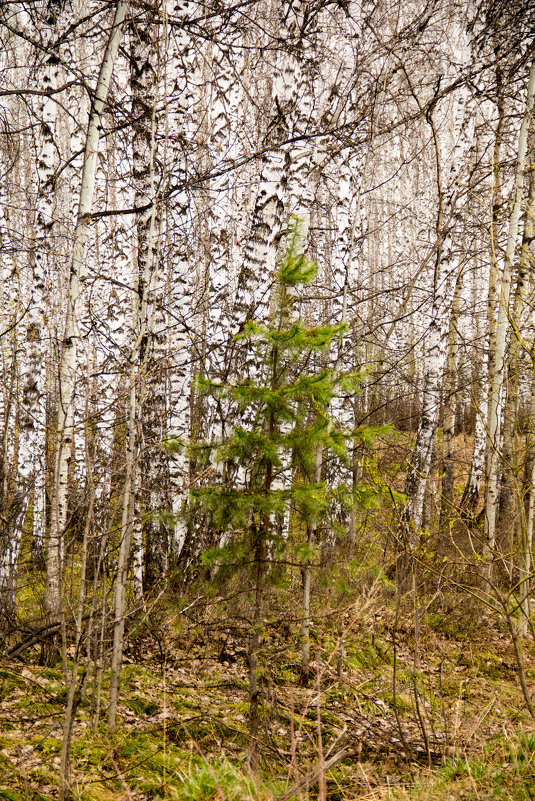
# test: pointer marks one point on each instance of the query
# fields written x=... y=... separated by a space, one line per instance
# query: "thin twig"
x=312 y=778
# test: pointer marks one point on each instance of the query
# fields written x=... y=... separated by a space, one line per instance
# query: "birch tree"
x=15 y=152
x=32 y=412
x=68 y=360
x=268 y=218
x=443 y=284
x=502 y=326
x=182 y=80
x=145 y=73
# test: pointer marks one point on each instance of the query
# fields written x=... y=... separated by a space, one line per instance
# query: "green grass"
x=505 y=771
x=220 y=781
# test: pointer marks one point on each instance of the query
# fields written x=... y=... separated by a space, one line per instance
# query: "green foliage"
x=286 y=409
x=295 y=268
x=174 y=444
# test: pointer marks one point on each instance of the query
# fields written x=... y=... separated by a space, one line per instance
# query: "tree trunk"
x=306 y=571
x=498 y=375
x=124 y=551
x=525 y=544
x=446 y=269
x=511 y=487
x=150 y=483
x=448 y=424
x=32 y=469
x=181 y=278
x=143 y=327
x=68 y=358
x=260 y=555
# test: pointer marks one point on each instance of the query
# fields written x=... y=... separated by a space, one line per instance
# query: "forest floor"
x=403 y=702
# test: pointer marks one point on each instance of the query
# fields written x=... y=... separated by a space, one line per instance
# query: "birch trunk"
x=306 y=570
x=143 y=325
x=479 y=400
x=446 y=268
x=12 y=303
x=68 y=358
x=181 y=69
x=256 y=274
x=492 y=303
x=525 y=544
x=497 y=377
x=124 y=549
x=32 y=407
x=450 y=400
x=510 y=487
x=114 y=297
x=150 y=504
x=522 y=487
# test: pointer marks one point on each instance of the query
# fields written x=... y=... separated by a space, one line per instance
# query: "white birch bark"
x=144 y=77
x=119 y=601
x=472 y=488
x=446 y=267
x=497 y=378
x=224 y=109
x=144 y=68
x=143 y=327
x=69 y=349
x=182 y=81
x=510 y=486
x=15 y=172
x=449 y=411
x=522 y=485
x=268 y=218
x=481 y=373
x=112 y=294
x=32 y=411
x=527 y=518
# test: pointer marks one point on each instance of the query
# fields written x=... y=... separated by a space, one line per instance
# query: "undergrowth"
x=408 y=698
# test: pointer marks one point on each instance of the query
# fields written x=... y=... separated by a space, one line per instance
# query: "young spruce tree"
x=269 y=461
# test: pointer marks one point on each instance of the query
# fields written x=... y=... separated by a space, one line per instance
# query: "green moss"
x=52 y=674
x=241 y=707
x=141 y=706
x=5 y=742
x=7 y=794
x=10 y=674
x=489 y=664
x=523 y=751
x=87 y=750
x=208 y=731
x=496 y=775
x=285 y=675
x=403 y=701
x=450 y=627
x=44 y=775
x=49 y=746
